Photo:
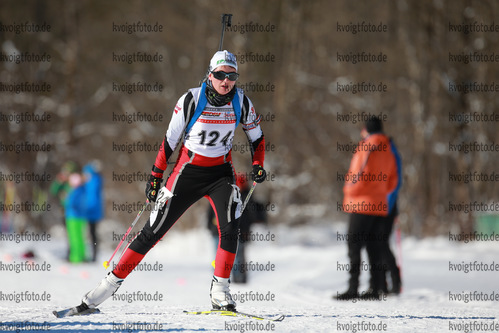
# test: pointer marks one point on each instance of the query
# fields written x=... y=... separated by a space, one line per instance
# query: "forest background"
x=433 y=66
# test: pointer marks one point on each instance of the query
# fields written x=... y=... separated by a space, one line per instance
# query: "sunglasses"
x=222 y=75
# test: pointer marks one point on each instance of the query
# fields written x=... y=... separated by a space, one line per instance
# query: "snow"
x=176 y=276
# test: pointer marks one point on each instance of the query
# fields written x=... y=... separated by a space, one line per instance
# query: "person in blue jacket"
x=388 y=259
x=75 y=214
x=93 y=202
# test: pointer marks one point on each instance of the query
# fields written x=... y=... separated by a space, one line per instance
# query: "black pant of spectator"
x=365 y=231
x=387 y=258
x=93 y=238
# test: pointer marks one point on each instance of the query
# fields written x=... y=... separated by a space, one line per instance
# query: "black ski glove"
x=258 y=174
x=152 y=187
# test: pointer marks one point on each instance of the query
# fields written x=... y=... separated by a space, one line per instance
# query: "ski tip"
x=105 y=264
x=56 y=314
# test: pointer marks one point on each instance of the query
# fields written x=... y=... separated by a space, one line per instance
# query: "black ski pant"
x=189 y=183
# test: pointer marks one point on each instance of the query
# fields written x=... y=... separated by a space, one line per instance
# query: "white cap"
x=223 y=58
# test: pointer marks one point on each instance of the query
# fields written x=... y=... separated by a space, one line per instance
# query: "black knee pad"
x=229 y=235
x=145 y=240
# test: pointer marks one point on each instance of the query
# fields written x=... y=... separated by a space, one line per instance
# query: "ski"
x=236 y=314
x=74 y=312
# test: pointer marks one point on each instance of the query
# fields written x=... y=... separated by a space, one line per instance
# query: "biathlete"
x=204 y=121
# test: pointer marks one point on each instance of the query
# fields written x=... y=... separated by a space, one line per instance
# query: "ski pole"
x=250 y=193
x=248 y=196
x=106 y=263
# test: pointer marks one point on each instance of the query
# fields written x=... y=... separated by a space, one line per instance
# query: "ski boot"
x=106 y=288
x=220 y=295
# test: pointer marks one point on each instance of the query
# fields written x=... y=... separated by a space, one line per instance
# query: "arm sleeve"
x=357 y=165
x=173 y=135
x=397 y=178
x=254 y=133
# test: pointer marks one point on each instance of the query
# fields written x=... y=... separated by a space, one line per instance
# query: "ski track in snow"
x=306 y=275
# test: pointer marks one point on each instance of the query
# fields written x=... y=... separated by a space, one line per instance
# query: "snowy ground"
x=306 y=274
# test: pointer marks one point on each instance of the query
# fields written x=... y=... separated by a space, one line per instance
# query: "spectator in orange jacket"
x=370 y=181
